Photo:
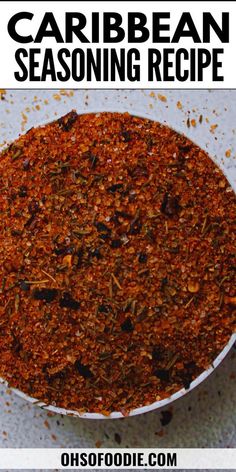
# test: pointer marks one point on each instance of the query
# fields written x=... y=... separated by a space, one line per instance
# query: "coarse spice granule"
x=117 y=274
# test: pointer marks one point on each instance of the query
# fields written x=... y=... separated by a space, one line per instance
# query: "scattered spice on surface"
x=228 y=153
x=162 y=98
x=46 y=424
x=117 y=275
x=160 y=433
x=213 y=128
x=98 y=443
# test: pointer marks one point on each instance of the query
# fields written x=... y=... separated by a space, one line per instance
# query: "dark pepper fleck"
x=63 y=250
x=16 y=345
x=16 y=232
x=29 y=221
x=83 y=370
x=162 y=374
x=123 y=214
x=164 y=283
x=166 y=417
x=186 y=380
x=188 y=374
x=184 y=148
x=68 y=302
x=46 y=294
x=127 y=325
x=24 y=286
x=190 y=365
x=116 y=243
x=103 y=308
x=170 y=205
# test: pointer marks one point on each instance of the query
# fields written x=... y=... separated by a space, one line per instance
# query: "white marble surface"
x=206 y=417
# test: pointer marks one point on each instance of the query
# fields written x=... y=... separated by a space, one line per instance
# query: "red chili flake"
x=162 y=374
x=67 y=121
x=102 y=228
x=170 y=205
x=157 y=353
x=67 y=301
x=116 y=243
x=115 y=187
x=103 y=309
x=127 y=325
x=23 y=191
x=24 y=285
x=127 y=136
x=96 y=253
x=142 y=257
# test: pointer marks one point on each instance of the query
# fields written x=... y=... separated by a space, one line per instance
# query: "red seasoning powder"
x=117 y=275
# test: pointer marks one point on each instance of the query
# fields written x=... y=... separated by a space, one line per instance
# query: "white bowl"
x=99 y=101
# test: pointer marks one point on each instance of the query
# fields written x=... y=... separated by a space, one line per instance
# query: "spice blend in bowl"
x=117 y=246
